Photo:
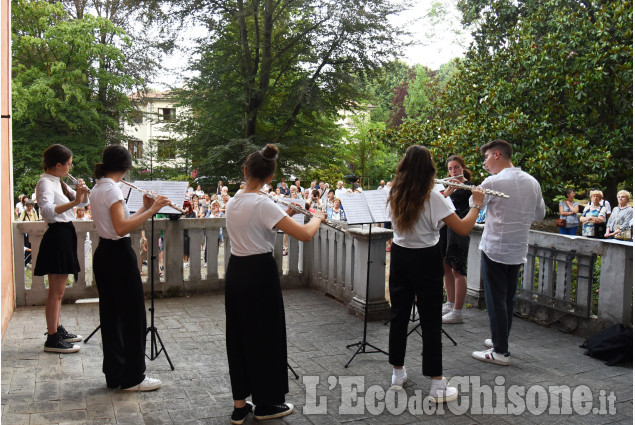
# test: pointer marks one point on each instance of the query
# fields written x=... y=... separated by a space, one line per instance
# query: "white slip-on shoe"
x=148 y=384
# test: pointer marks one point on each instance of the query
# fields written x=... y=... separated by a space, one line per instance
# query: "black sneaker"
x=275 y=411
x=67 y=336
x=239 y=415
x=54 y=344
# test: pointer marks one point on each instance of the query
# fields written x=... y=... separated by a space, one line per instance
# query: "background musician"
x=454 y=247
x=256 y=330
x=121 y=304
x=57 y=256
x=504 y=242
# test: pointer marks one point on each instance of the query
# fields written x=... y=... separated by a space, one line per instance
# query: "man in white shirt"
x=340 y=189
x=382 y=185
x=504 y=242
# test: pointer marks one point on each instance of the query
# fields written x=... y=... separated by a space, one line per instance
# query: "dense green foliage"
x=554 y=78
x=280 y=72
x=60 y=93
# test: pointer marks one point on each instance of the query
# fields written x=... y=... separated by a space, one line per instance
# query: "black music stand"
x=367 y=207
x=174 y=190
x=413 y=318
x=152 y=330
x=363 y=343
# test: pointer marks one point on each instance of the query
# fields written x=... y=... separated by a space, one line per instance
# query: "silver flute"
x=76 y=182
x=299 y=209
x=153 y=195
x=469 y=187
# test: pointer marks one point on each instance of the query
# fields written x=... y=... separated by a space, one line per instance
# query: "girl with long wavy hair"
x=416 y=267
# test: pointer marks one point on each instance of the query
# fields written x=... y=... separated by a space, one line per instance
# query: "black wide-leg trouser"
x=256 y=330
x=416 y=272
x=121 y=312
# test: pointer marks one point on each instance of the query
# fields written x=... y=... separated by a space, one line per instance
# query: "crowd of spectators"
x=597 y=219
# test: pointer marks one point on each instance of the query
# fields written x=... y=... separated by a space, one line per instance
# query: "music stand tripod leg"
x=92 y=333
x=293 y=371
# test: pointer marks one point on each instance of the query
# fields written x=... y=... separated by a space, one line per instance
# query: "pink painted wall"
x=7 y=290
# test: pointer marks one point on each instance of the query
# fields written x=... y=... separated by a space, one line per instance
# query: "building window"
x=137 y=116
x=166 y=149
x=167 y=114
x=135 y=147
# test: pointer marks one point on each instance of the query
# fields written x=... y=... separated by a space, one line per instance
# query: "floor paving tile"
x=69 y=389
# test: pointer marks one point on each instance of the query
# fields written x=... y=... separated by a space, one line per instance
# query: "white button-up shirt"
x=48 y=192
x=506 y=233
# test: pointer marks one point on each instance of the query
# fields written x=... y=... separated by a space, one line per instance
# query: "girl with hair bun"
x=256 y=330
x=121 y=304
x=57 y=256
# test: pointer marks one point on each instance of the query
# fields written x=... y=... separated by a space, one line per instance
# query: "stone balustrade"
x=558 y=288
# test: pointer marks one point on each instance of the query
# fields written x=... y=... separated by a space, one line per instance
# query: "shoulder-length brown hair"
x=411 y=187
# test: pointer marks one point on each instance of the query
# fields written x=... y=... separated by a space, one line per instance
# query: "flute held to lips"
x=76 y=182
x=153 y=196
x=470 y=188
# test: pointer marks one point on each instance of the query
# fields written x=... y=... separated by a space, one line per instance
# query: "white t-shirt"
x=425 y=232
x=49 y=194
x=250 y=223
x=103 y=195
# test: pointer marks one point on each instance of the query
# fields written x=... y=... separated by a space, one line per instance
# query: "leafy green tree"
x=149 y=27
x=555 y=79
x=422 y=90
x=280 y=72
x=55 y=88
x=380 y=90
x=365 y=156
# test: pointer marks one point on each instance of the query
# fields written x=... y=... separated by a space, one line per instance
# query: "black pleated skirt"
x=58 y=251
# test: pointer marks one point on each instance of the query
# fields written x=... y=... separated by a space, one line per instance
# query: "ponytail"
x=115 y=158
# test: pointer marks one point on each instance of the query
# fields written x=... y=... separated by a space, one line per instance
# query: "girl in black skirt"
x=121 y=304
x=454 y=246
x=256 y=330
x=57 y=256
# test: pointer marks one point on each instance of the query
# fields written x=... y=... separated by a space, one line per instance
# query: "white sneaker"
x=399 y=377
x=454 y=316
x=446 y=308
x=490 y=356
x=489 y=343
x=148 y=384
x=440 y=391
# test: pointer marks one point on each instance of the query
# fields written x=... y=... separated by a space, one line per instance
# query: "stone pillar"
x=616 y=284
x=475 y=289
x=378 y=306
x=173 y=259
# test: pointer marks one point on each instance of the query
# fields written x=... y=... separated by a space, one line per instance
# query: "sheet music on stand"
x=174 y=191
x=366 y=207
